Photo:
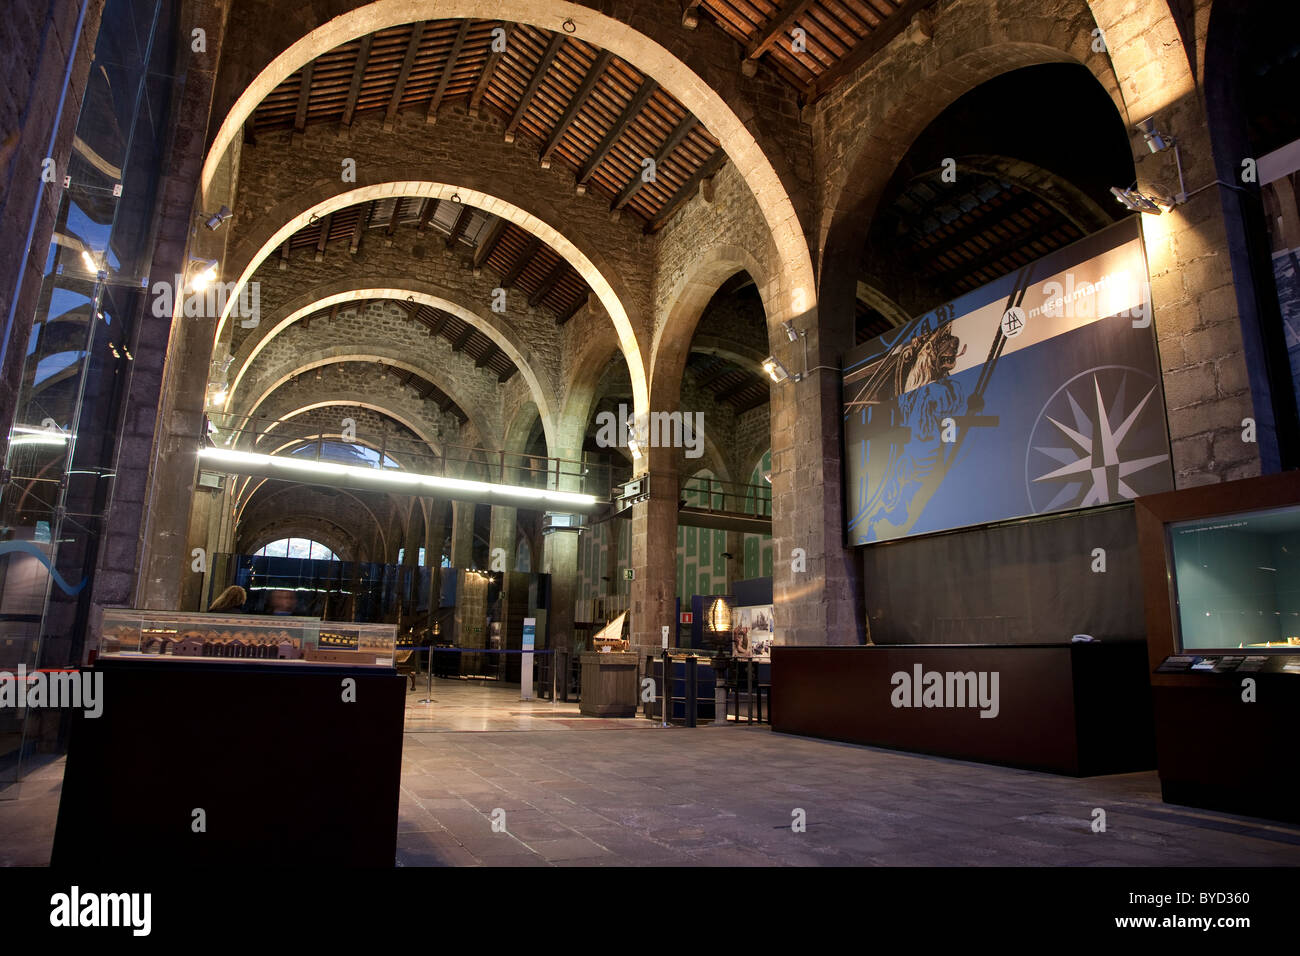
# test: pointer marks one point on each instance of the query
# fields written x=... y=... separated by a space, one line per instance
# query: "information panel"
x=1037 y=393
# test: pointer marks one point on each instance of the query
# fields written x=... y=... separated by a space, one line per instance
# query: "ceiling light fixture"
x=1134 y=201
x=204 y=273
x=1156 y=141
x=790 y=331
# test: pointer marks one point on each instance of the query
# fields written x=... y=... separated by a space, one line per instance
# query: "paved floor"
x=636 y=794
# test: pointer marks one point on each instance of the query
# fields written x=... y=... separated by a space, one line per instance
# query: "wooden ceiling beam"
x=781 y=23
x=392 y=221
x=875 y=41
x=521 y=264
x=439 y=320
x=358 y=74
x=552 y=277
x=462 y=221
x=486 y=356
x=463 y=339
x=448 y=68
x=324 y=237
x=489 y=242
x=674 y=140
x=428 y=212
x=489 y=68
x=639 y=100
x=363 y=222
x=412 y=51
x=711 y=166
x=575 y=106
x=304 y=96
x=571 y=311
x=284 y=256
x=691 y=14
x=539 y=74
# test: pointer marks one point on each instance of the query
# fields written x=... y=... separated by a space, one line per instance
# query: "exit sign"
x=629 y=574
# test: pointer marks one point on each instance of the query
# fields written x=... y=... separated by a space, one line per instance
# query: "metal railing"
x=731 y=497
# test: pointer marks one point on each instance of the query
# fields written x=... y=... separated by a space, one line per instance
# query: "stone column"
x=654 y=557
x=435 y=532
x=503 y=535
x=462 y=534
x=560 y=561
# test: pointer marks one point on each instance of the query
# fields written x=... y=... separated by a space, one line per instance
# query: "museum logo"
x=946 y=689
x=74 y=909
x=76 y=690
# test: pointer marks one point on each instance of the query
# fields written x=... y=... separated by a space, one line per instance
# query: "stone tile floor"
x=630 y=793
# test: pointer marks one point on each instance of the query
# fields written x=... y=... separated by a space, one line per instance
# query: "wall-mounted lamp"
x=215 y=220
x=775 y=370
x=790 y=331
x=1156 y=141
x=203 y=272
x=1134 y=201
x=633 y=445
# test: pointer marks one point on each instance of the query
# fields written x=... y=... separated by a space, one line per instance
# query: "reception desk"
x=1078 y=709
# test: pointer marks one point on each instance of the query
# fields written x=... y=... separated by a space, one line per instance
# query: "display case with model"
x=1221 y=577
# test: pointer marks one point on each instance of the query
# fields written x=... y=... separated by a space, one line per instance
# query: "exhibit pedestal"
x=1078 y=709
x=234 y=763
x=609 y=684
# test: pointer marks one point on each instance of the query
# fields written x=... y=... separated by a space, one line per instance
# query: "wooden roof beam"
x=463 y=339
x=526 y=98
x=489 y=68
x=639 y=100
x=284 y=256
x=552 y=277
x=518 y=268
x=358 y=74
x=392 y=220
x=575 y=106
x=412 y=51
x=674 y=140
x=489 y=242
x=486 y=357
x=304 y=96
x=766 y=37
x=711 y=166
x=458 y=228
x=324 y=237
x=363 y=221
x=875 y=41
x=572 y=311
x=428 y=212
x=440 y=90
x=691 y=14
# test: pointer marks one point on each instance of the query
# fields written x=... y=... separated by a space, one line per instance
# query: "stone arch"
x=351 y=400
x=687 y=303
x=502 y=334
x=798 y=287
x=333 y=536
x=324 y=198
x=253 y=487
x=969 y=48
x=390 y=355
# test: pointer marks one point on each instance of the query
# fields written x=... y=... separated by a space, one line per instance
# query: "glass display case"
x=129 y=632
x=1236 y=581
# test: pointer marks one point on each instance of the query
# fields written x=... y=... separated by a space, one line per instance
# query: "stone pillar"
x=503 y=535
x=462 y=534
x=560 y=561
x=735 y=563
x=435 y=532
x=820 y=605
x=654 y=558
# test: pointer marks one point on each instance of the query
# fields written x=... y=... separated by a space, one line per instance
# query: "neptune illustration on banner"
x=1037 y=393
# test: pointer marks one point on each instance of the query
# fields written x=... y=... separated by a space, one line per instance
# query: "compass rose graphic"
x=1099 y=439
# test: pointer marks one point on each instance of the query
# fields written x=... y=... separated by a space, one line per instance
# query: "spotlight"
x=215 y=220
x=633 y=445
x=790 y=331
x=775 y=370
x=204 y=275
x=1134 y=201
x=1156 y=141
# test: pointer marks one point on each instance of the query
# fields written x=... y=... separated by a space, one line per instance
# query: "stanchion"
x=692 y=690
x=428 y=684
x=666 y=691
x=749 y=692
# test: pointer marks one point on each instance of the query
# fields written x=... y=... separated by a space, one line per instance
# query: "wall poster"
x=751 y=632
x=1039 y=392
